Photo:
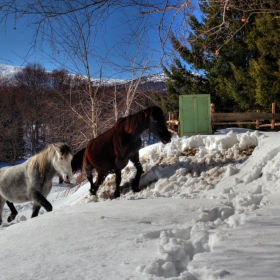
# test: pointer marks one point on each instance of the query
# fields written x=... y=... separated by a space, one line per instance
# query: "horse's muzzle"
x=166 y=141
x=66 y=178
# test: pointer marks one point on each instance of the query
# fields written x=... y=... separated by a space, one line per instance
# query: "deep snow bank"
x=186 y=166
x=206 y=196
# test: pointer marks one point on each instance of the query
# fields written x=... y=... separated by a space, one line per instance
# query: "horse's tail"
x=77 y=160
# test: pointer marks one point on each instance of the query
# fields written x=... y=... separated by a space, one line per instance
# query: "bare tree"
x=164 y=16
x=52 y=20
x=72 y=37
x=32 y=89
x=11 y=125
x=70 y=120
x=61 y=123
x=71 y=28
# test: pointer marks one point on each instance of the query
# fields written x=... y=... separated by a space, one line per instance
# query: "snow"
x=9 y=71
x=208 y=209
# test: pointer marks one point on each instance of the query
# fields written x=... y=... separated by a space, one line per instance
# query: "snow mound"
x=185 y=167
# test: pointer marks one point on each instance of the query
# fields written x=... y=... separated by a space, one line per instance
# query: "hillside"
x=208 y=209
x=154 y=82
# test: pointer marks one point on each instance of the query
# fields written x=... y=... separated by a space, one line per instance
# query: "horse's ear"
x=65 y=149
x=58 y=149
x=62 y=149
x=148 y=112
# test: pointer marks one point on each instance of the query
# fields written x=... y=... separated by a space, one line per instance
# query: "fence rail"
x=233 y=118
x=173 y=126
x=243 y=118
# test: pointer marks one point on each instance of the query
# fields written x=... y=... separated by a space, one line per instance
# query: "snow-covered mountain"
x=10 y=70
x=159 y=77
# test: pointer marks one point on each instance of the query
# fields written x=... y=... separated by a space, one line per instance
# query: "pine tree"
x=236 y=51
x=180 y=81
x=265 y=67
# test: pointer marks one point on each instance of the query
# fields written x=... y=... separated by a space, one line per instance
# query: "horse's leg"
x=118 y=182
x=89 y=168
x=2 y=203
x=97 y=183
x=36 y=209
x=41 y=200
x=138 y=166
x=14 y=211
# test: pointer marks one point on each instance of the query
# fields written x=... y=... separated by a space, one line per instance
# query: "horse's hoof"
x=92 y=192
x=117 y=194
x=136 y=189
x=11 y=218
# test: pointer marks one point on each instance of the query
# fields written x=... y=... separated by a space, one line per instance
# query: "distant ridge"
x=153 y=81
x=9 y=70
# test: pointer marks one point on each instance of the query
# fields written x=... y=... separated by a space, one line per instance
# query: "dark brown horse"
x=111 y=151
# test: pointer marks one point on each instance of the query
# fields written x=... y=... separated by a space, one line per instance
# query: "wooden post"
x=212 y=106
x=258 y=122
x=212 y=110
x=179 y=133
x=169 y=118
x=273 y=112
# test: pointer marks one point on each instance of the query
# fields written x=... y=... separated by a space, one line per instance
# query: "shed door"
x=195 y=116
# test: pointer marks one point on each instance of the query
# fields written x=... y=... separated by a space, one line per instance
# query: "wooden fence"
x=245 y=118
x=173 y=125
x=233 y=119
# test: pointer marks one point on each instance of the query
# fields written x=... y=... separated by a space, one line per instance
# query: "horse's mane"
x=40 y=160
x=120 y=120
x=132 y=122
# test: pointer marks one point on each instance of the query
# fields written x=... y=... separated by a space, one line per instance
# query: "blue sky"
x=16 y=48
x=111 y=47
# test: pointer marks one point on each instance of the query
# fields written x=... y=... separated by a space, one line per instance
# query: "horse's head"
x=157 y=124
x=62 y=161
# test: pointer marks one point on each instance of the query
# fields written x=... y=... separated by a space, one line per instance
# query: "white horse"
x=32 y=180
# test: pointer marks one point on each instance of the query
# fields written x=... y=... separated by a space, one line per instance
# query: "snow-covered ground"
x=209 y=209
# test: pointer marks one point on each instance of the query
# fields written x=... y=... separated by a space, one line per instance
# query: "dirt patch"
x=190 y=152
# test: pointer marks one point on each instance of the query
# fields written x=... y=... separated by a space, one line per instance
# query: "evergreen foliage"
x=265 y=67
x=180 y=81
x=237 y=54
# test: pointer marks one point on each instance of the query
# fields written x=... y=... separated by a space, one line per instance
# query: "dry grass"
x=80 y=178
x=190 y=152
x=248 y=151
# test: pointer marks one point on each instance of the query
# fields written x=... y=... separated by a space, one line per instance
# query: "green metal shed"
x=195 y=115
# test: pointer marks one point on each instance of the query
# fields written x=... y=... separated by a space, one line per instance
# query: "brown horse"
x=111 y=151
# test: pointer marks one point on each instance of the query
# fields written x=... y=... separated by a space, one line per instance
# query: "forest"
x=39 y=107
